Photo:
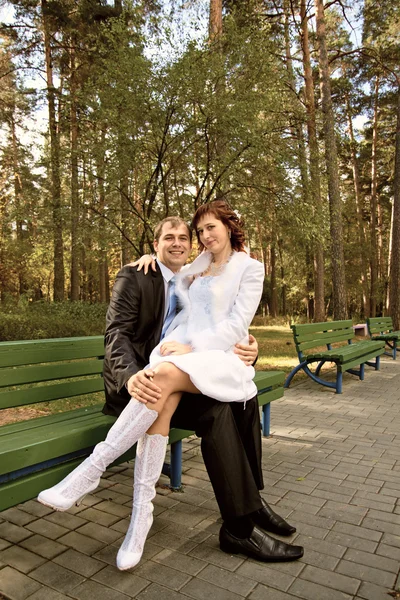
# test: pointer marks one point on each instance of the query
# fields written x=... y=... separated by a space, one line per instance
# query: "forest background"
x=288 y=109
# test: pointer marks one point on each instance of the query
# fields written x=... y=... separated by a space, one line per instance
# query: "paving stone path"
x=332 y=466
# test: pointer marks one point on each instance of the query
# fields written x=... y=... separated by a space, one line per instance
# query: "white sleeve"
x=234 y=327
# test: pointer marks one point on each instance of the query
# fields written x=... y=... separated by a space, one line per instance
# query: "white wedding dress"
x=216 y=372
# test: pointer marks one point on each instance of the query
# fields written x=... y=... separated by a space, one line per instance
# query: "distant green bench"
x=37 y=453
x=381 y=328
x=345 y=357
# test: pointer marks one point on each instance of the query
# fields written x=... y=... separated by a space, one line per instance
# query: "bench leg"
x=392 y=348
x=339 y=382
x=320 y=365
x=293 y=373
x=377 y=363
x=362 y=372
x=176 y=465
x=266 y=419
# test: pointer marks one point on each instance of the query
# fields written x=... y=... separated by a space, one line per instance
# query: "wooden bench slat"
x=59 y=441
x=265 y=379
x=315 y=327
x=45 y=393
x=51 y=430
x=27 y=425
x=38 y=373
x=42 y=351
x=268 y=397
x=339 y=335
x=347 y=352
x=350 y=364
x=321 y=342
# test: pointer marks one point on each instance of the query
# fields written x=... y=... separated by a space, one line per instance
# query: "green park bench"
x=37 y=453
x=381 y=328
x=315 y=335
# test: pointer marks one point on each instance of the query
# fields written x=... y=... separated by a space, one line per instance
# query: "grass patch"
x=276 y=348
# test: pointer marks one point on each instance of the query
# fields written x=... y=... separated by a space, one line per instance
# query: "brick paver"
x=331 y=466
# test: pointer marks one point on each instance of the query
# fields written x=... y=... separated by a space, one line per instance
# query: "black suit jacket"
x=133 y=328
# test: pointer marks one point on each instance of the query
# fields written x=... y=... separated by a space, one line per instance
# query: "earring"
x=229 y=233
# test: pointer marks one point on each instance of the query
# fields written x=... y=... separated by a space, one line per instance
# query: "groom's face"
x=173 y=246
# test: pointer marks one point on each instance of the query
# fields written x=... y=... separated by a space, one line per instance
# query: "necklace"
x=216 y=269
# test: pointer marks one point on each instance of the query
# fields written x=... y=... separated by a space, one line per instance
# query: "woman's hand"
x=144 y=263
x=169 y=348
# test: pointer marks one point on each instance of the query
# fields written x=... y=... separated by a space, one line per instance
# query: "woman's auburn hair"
x=224 y=213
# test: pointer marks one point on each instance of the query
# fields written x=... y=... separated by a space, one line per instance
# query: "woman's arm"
x=144 y=262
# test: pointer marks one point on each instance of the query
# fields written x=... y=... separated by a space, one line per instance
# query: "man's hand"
x=174 y=348
x=145 y=261
x=141 y=387
x=247 y=353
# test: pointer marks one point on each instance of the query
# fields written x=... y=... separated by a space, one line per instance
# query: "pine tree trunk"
x=4 y=238
x=215 y=23
x=59 y=276
x=75 y=209
x=103 y=265
x=374 y=246
x=395 y=258
x=274 y=293
x=335 y=208
x=284 y=287
x=389 y=260
x=125 y=217
x=21 y=262
x=360 y=223
x=382 y=269
x=309 y=286
x=315 y=182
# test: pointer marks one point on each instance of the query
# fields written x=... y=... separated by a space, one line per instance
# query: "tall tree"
x=59 y=275
x=335 y=206
x=314 y=165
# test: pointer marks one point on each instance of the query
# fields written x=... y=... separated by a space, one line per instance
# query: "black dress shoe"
x=267 y=519
x=259 y=545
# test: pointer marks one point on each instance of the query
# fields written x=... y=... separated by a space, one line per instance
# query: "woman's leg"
x=149 y=461
x=134 y=421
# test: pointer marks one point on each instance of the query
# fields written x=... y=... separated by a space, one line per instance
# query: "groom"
x=230 y=436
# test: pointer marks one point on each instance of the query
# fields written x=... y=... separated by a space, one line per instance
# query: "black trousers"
x=231 y=446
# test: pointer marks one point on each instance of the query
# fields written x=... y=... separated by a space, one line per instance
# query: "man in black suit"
x=230 y=436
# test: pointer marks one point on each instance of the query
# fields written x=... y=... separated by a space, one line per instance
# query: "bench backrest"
x=67 y=367
x=312 y=335
x=377 y=325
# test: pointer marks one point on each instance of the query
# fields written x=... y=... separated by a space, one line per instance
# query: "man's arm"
x=121 y=322
x=141 y=386
x=248 y=353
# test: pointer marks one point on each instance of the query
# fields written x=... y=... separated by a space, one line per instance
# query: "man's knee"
x=218 y=418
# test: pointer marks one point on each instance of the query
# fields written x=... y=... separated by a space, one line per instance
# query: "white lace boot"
x=149 y=461
x=132 y=423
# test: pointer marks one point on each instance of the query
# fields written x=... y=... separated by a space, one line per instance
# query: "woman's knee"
x=165 y=373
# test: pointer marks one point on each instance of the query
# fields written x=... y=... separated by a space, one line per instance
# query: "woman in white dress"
x=219 y=292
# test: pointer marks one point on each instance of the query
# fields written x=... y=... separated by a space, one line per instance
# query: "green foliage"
x=41 y=320
x=166 y=124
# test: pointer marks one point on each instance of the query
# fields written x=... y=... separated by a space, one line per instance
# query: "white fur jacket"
x=236 y=296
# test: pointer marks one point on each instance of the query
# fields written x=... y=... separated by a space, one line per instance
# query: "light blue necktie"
x=171 y=308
